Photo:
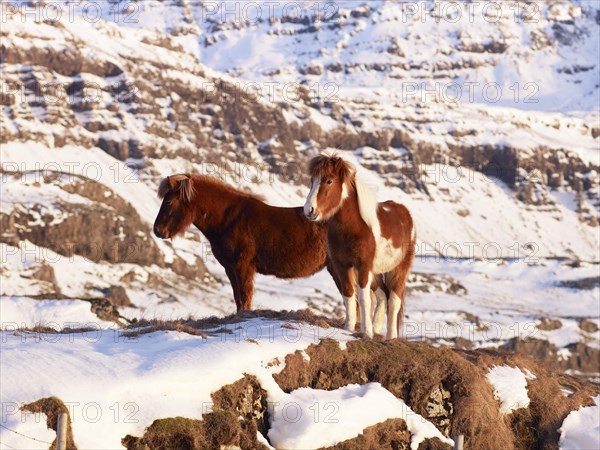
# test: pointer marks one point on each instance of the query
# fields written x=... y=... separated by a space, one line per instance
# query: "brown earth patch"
x=391 y=434
x=248 y=400
x=588 y=326
x=549 y=324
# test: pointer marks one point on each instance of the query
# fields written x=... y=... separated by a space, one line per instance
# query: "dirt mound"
x=217 y=429
x=391 y=434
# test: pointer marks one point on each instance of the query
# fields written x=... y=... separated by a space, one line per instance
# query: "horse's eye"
x=329 y=181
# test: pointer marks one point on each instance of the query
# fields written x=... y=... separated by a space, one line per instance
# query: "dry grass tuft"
x=175 y=432
x=391 y=434
x=247 y=399
x=214 y=325
x=52 y=407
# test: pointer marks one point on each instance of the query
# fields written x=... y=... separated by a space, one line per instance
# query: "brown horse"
x=246 y=235
x=366 y=240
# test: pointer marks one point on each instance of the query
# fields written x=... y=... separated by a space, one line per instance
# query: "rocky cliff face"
x=377 y=81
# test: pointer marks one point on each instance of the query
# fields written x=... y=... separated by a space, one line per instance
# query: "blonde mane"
x=367 y=205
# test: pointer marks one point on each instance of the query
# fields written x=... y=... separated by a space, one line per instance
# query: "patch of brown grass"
x=391 y=434
x=52 y=407
x=174 y=432
x=411 y=371
x=43 y=329
x=247 y=399
x=537 y=426
x=214 y=325
x=218 y=428
x=415 y=372
x=546 y=324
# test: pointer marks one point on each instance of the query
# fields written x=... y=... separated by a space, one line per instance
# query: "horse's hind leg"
x=379 y=296
x=396 y=283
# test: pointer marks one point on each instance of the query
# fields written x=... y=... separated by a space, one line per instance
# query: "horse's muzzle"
x=312 y=216
x=159 y=233
x=310 y=213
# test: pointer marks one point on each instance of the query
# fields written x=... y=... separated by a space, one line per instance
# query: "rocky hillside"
x=96 y=110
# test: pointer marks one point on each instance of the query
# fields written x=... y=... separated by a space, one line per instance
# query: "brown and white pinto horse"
x=365 y=240
x=246 y=235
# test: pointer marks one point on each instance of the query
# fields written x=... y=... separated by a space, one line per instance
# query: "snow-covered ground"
x=120 y=385
x=581 y=428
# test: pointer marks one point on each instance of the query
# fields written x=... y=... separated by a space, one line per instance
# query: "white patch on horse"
x=387 y=257
x=413 y=235
x=311 y=200
x=367 y=205
x=350 y=304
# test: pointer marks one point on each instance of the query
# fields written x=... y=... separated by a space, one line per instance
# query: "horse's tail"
x=410 y=255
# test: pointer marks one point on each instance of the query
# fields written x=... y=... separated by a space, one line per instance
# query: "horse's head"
x=330 y=176
x=176 y=212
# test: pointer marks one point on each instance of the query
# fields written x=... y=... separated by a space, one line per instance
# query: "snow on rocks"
x=510 y=387
x=323 y=418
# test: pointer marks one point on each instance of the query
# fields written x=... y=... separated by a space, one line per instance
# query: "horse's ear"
x=344 y=170
x=173 y=182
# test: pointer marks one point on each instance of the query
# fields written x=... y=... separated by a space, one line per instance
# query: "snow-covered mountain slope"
x=546 y=50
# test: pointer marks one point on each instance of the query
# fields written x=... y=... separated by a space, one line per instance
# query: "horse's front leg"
x=345 y=279
x=233 y=276
x=246 y=278
x=364 y=299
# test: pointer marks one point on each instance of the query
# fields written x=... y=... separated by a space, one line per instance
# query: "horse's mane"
x=325 y=165
x=187 y=186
